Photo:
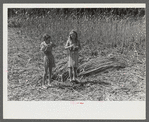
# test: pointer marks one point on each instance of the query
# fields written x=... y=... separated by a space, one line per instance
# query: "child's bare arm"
x=42 y=47
x=67 y=46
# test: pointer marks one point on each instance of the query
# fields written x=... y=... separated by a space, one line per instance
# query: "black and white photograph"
x=75 y=54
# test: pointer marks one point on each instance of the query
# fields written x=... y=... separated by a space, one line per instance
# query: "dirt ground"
x=25 y=70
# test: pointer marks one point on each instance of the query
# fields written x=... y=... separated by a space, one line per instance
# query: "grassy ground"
x=99 y=36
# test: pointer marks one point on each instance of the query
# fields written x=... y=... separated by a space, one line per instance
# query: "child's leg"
x=45 y=76
x=50 y=74
x=74 y=73
x=45 y=71
x=70 y=73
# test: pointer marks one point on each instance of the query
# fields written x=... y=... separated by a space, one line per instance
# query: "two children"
x=72 y=45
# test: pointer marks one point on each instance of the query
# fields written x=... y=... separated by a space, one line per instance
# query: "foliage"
x=77 y=11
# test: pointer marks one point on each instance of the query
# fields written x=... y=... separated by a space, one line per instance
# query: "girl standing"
x=73 y=46
x=49 y=62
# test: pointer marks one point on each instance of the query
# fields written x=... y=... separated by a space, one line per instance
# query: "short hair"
x=46 y=36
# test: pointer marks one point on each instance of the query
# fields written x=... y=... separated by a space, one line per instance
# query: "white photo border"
x=135 y=110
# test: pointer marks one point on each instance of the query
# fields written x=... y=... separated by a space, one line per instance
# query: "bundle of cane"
x=60 y=72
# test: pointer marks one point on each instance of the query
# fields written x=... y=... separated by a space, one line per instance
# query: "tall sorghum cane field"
x=100 y=34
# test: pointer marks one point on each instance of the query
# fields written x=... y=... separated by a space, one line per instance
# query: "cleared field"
x=99 y=37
